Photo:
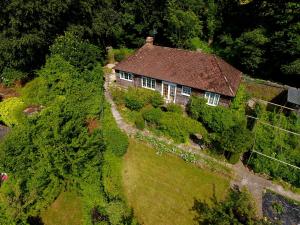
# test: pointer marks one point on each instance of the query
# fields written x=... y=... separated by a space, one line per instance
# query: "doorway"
x=169 y=92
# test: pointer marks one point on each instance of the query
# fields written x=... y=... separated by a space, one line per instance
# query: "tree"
x=78 y=53
x=183 y=25
x=250 y=49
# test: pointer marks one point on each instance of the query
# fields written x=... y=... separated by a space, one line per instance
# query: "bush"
x=217 y=119
x=156 y=99
x=116 y=141
x=152 y=115
x=122 y=53
x=11 y=111
x=180 y=127
x=140 y=123
x=234 y=158
x=137 y=98
x=9 y=75
x=118 y=95
x=133 y=101
x=174 y=108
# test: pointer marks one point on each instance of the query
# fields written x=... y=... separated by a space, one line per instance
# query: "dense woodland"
x=259 y=37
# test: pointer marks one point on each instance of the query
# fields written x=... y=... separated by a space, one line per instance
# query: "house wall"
x=180 y=99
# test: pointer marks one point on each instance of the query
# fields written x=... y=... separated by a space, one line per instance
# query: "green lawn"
x=65 y=210
x=162 y=188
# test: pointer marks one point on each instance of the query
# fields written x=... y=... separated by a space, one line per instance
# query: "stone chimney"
x=149 y=40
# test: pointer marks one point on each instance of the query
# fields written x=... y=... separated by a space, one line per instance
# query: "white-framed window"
x=148 y=82
x=212 y=98
x=126 y=76
x=186 y=91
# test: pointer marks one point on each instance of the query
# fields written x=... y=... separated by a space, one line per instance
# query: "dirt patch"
x=7 y=92
x=92 y=124
x=280 y=209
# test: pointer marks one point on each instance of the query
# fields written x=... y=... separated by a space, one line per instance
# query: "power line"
x=296 y=167
x=271 y=103
x=265 y=123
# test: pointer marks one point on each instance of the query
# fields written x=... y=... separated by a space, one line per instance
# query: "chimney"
x=149 y=40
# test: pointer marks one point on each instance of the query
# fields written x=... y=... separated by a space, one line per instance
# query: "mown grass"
x=162 y=188
x=65 y=210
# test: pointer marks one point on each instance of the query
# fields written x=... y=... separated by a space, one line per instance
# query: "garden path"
x=255 y=183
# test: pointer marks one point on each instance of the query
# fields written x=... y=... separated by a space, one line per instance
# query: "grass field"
x=162 y=188
x=65 y=210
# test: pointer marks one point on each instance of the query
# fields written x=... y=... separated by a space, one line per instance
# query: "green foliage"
x=156 y=99
x=133 y=101
x=122 y=53
x=237 y=139
x=197 y=44
x=250 y=46
x=174 y=108
x=240 y=100
x=139 y=123
x=78 y=53
x=54 y=149
x=183 y=24
x=118 y=95
x=234 y=158
x=11 y=111
x=291 y=68
x=137 y=98
x=278 y=144
x=237 y=208
x=9 y=75
x=180 y=127
x=217 y=119
x=152 y=115
x=116 y=141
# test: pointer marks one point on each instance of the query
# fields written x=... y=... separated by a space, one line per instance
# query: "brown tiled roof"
x=190 y=68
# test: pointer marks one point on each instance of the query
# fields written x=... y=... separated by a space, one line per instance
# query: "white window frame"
x=123 y=76
x=169 y=91
x=148 y=83
x=184 y=93
x=212 y=98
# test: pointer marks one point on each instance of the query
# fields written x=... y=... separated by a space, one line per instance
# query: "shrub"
x=140 y=123
x=9 y=75
x=217 y=119
x=122 y=53
x=118 y=95
x=116 y=141
x=180 y=127
x=174 y=108
x=234 y=158
x=11 y=111
x=133 y=101
x=137 y=98
x=152 y=115
x=156 y=99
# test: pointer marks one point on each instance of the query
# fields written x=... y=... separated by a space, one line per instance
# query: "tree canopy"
x=259 y=37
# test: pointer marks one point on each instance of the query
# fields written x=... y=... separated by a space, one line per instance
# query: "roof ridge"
x=181 y=49
x=223 y=75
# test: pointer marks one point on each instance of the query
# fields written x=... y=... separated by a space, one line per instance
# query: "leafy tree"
x=183 y=25
x=250 y=47
x=78 y=53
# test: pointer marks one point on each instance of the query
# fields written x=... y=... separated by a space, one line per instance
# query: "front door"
x=169 y=92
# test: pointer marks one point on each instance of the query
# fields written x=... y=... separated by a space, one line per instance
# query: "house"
x=293 y=98
x=177 y=74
